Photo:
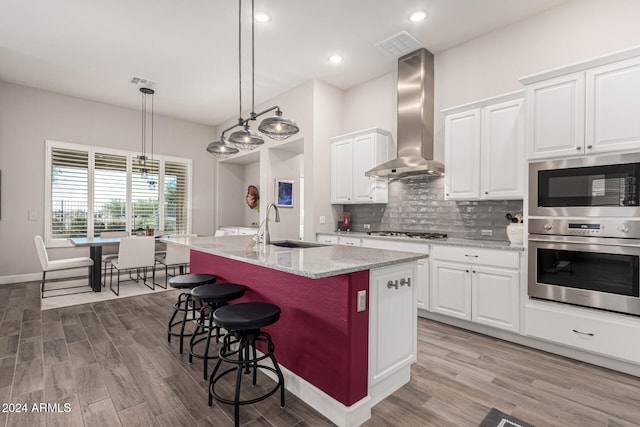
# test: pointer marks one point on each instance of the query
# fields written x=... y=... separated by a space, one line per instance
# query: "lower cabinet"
x=327 y=238
x=478 y=285
x=609 y=334
x=392 y=320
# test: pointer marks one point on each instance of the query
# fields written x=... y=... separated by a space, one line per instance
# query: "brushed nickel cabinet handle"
x=392 y=284
x=406 y=281
x=578 y=148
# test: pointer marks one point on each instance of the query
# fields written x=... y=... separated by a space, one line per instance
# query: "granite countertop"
x=488 y=244
x=315 y=263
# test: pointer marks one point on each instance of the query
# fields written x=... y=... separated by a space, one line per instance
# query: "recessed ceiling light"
x=418 y=16
x=336 y=59
x=262 y=17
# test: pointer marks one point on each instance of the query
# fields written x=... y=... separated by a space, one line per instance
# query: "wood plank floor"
x=110 y=363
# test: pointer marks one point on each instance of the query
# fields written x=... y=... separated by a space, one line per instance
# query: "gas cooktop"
x=409 y=234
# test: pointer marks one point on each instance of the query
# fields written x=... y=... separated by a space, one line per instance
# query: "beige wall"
x=29 y=116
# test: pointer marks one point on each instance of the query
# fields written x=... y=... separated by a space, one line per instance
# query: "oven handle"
x=578 y=242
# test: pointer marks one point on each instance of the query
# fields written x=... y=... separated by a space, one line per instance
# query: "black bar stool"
x=184 y=303
x=210 y=297
x=243 y=322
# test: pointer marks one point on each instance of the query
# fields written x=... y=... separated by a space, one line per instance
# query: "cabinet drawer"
x=492 y=257
x=324 y=238
x=350 y=241
x=596 y=332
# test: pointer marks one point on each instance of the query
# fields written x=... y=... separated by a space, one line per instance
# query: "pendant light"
x=142 y=158
x=277 y=128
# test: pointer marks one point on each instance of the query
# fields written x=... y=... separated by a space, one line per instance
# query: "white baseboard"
x=37 y=277
x=338 y=413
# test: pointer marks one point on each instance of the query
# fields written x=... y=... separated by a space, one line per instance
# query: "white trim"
x=37 y=277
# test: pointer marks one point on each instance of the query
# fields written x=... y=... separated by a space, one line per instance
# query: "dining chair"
x=107 y=258
x=175 y=256
x=134 y=253
x=60 y=264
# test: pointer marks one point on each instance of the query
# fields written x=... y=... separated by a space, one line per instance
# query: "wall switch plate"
x=487 y=232
x=367 y=226
x=362 y=300
x=322 y=219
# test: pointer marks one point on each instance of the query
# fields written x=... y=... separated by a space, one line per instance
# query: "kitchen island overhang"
x=323 y=339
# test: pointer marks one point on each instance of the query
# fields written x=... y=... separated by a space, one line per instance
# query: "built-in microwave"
x=597 y=186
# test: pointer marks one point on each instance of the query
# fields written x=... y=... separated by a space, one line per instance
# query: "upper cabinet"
x=354 y=154
x=587 y=108
x=484 y=145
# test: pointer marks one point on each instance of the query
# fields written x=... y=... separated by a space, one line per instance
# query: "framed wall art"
x=284 y=193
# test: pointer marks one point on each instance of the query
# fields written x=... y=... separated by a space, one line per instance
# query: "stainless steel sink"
x=296 y=244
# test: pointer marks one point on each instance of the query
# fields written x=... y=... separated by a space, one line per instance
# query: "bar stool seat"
x=243 y=322
x=211 y=297
x=185 y=303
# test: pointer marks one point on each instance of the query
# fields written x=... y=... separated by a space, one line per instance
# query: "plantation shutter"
x=69 y=193
x=176 y=206
x=144 y=196
x=109 y=193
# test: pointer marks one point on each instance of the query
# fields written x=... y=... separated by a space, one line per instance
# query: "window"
x=93 y=189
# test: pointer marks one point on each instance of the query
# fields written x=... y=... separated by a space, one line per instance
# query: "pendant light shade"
x=245 y=139
x=221 y=150
x=278 y=127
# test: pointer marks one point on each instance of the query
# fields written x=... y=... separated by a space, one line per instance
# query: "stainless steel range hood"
x=415 y=120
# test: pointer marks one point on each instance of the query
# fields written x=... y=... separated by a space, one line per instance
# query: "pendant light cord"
x=152 y=130
x=253 y=57
x=144 y=127
x=240 y=56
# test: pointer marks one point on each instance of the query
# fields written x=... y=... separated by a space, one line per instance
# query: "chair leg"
x=44 y=273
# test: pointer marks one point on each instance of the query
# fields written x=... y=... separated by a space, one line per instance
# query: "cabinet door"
x=502 y=151
x=495 y=297
x=350 y=241
x=422 y=284
x=392 y=321
x=613 y=107
x=341 y=171
x=555 y=117
x=462 y=151
x=364 y=159
x=326 y=238
x=451 y=289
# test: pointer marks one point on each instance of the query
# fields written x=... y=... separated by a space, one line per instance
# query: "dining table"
x=95 y=245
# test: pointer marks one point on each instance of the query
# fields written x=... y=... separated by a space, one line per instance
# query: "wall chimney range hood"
x=415 y=120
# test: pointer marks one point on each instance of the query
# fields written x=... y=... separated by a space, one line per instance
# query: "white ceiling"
x=92 y=48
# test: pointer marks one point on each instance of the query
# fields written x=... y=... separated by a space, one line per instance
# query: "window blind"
x=69 y=193
x=91 y=189
x=109 y=193
x=176 y=206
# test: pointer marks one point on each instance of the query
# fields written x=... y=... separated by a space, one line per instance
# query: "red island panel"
x=320 y=336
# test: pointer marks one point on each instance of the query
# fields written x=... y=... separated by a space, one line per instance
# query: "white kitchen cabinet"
x=587 y=108
x=555 y=117
x=484 y=149
x=327 y=238
x=610 y=334
x=613 y=107
x=239 y=231
x=451 y=289
x=476 y=284
x=392 y=320
x=349 y=241
x=352 y=155
x=422 y=269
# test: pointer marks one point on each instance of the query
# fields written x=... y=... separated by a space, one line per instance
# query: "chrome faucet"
x=265 y=237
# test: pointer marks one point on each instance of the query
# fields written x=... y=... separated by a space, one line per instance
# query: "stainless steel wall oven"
x=588 y=262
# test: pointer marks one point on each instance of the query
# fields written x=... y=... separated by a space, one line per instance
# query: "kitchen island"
x=347 y=334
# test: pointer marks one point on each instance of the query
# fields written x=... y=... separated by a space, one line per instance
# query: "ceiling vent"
x=141 y=81
x=400 y=44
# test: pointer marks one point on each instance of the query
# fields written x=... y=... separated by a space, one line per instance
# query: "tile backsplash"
x=418 y=204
